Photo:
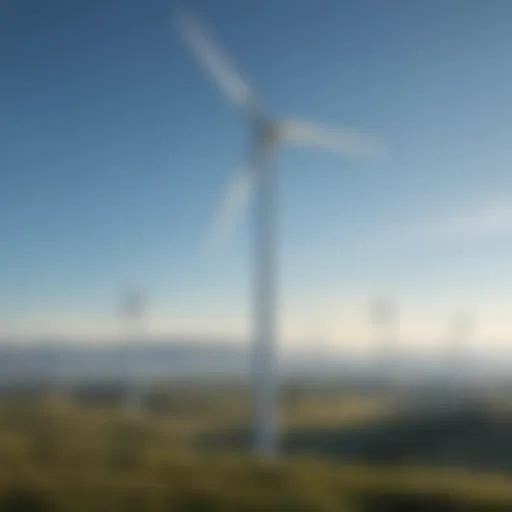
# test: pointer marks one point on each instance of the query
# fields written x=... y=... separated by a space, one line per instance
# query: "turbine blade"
x=231 y=210
x=340 y=138
x=228 y=80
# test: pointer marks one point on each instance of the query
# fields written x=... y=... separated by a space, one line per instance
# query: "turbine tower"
x=383 y=315
x=458 y=357
x=133 y=305
x=258 y=178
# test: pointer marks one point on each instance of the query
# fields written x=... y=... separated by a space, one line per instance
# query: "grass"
x=60 y=454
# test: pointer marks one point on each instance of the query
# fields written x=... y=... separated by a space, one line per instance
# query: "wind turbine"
x=383 y=314
x=258 y=178
x=458 y=354
x=133 y=305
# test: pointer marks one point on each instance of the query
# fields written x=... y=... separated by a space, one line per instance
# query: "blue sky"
x=116 y=147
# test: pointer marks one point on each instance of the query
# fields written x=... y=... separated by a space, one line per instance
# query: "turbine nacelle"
x=266 y=135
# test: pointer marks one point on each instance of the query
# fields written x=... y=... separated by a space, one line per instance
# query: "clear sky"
x=115 y=148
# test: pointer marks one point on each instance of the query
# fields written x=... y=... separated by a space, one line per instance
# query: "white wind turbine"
x=458 y=356
x=133 y=306
x=258 y=178
x=384 y=316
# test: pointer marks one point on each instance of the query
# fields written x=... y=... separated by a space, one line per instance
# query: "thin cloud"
x=489 y=220
x=472 y=223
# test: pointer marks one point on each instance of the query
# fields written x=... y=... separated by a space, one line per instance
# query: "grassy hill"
x=69 y=453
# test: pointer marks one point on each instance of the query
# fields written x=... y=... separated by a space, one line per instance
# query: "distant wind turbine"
x=383 y=315
x=133 y=307
x=461 y=329
x=257 y=177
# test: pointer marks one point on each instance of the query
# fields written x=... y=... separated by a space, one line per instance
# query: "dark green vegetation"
x=79 y=452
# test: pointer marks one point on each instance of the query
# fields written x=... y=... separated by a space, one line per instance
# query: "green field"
x=80 y=451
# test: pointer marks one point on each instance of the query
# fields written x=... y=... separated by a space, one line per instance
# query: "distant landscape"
x=72 y=360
